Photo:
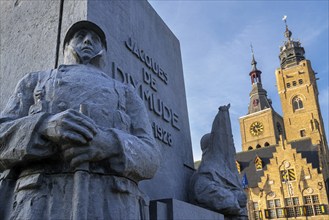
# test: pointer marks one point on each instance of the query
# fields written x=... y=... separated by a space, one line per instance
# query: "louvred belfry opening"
x=255 y=73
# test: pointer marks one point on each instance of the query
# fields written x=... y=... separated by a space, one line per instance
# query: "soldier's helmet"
x=88 y=25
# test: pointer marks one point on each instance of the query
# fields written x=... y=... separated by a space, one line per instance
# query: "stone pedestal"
x=175 y=209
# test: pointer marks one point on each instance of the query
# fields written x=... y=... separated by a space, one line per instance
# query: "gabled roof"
x=247 y=163
x=247 y=159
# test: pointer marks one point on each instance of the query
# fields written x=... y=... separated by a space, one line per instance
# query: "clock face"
x=256 y=128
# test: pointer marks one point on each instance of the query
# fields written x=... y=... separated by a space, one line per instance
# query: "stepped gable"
x=304 y=148
x=247 y=165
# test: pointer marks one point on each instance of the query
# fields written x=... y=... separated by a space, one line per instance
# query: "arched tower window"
x=250 y=148
x=258 y=146
x=266 y=144
x=297 y=103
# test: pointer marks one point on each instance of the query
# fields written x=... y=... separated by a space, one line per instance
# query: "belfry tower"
x=298 y=92
x=286 y=175
x=262 y=126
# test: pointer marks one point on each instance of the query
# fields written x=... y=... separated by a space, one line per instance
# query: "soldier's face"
x=86 y=43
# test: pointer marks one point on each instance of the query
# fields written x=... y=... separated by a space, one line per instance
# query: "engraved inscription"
x=149 y=79
x=147 y=60
x=162 y=134
x=154 y=103
x=148 y=89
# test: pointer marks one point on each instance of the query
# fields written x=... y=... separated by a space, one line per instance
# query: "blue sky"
x=215 y=39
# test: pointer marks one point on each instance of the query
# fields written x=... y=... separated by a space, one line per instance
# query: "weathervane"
x=287 y=32
x=252 y=49
x=285 y=19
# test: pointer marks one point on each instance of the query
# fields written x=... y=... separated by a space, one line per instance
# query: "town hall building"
x=284 y=159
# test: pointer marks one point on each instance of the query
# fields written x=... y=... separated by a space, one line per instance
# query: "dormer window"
x=258 y=163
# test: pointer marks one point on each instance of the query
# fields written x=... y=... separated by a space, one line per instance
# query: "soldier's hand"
x=69 y=127
x=103 y=146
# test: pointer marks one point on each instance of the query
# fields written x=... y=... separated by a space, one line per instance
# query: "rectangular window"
x=288 y=85
x=290 y=212
x=309 y=210
x=317 y=210
x=292 y=207
x=302 y=133
x=255 y=205
x=295 y=200
x=300 y=81
x=298 y=211
x=288 y=201
x=270 y=204
x=280 y=213
x=272 y=210
x=312 y=205
x=272 y=213
x=307 y=200
x=256 y=211
x=315 y=199
x=294 y=83
x=277 y=203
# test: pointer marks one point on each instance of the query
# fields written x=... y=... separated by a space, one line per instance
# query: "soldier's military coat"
x=36 y=181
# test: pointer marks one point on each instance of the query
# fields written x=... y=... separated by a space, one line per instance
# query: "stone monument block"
x=175 y=209
x=28 y=40
x=142 y=52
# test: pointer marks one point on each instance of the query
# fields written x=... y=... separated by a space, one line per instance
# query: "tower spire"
x=258 y=95
x=254 y=73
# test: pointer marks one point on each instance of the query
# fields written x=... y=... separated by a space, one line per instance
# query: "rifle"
x=81 y=178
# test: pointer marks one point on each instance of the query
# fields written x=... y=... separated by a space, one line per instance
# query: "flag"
x=244 y=181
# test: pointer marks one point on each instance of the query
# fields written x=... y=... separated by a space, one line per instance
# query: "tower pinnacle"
x=254 y=73
x=291 y=53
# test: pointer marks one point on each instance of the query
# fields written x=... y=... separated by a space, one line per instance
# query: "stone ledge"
x=175 y=209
